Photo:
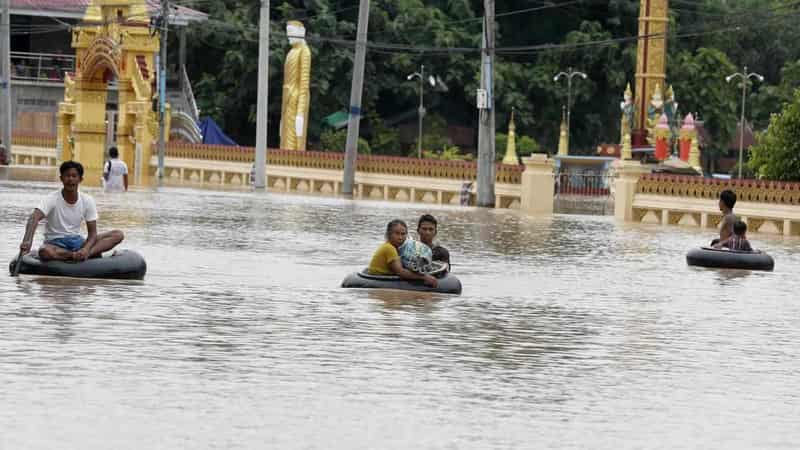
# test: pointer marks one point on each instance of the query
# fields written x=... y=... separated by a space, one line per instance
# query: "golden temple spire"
x=626 y=152
x=511 y=145
x=563 y=140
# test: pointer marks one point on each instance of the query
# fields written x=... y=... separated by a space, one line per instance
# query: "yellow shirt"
x=384 y=256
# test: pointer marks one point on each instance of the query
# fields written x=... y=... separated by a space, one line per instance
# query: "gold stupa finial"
x=511 y=144
x=563 y=140
x=626 y=152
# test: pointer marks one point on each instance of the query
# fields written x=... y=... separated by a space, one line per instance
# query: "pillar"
x=650 y=60
x=63 y=133
x=181 y=55
x=694 y=155
x=89 y=129
x=628 y=173
x=126 y=139
x=538 y=184
x=688 y=132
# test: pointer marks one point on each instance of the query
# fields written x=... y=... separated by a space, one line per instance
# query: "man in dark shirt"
x=427 y=227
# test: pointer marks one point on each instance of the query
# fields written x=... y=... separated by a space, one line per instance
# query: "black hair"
x=427 y=218
x=66 y=165
x=440 y=254
x=739 y=228
x=113 y=152
x=728 y=197
x=392 y=224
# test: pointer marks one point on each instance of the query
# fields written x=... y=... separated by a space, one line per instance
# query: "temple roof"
x=74 y=9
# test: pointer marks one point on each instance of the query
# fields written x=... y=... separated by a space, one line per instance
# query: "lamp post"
x=421 y=110
x=569 y=74
x=745 y=79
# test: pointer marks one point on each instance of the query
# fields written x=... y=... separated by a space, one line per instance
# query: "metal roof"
x=74 y=9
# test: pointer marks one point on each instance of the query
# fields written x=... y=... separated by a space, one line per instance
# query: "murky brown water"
x=572 y=332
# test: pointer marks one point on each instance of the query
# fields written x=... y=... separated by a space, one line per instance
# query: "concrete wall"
x=34 y=105
x=533 y=195
x=766 y=207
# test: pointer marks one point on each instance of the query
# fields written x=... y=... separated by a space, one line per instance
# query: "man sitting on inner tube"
x=64 y=210
x=427 y=228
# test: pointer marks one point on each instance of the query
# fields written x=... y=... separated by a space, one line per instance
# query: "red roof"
x=77 y=7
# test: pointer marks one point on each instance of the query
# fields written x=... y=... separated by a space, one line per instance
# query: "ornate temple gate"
x=112 y=43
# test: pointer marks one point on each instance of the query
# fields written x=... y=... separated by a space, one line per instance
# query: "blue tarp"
x=213 y=134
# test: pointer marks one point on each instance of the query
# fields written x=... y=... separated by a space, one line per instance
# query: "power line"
x=477 y=20
x=389 y=48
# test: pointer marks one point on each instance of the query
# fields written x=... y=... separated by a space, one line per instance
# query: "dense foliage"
x=777 y=154
x=709 y=39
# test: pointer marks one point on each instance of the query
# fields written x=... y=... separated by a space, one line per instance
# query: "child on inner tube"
x=387 y=260
x=738 y=240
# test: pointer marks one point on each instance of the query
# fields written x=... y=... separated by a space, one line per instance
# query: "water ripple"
x=572 y=332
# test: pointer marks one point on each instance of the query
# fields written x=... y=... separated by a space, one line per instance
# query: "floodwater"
x=572 y=332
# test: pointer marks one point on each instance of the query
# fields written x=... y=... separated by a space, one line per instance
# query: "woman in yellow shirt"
x=386 y=260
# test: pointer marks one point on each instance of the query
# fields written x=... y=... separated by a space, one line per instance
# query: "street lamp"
x=745 y=79
x=421 y=110
x=569 y=74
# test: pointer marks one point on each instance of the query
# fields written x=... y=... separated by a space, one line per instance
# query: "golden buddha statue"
x=296 y=92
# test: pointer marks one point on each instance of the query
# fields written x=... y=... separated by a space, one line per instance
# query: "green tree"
x=335 y=141
x=383 y=139
x=777 y=154
x=448 y=153
x=223 y=58
x=526 y=145
x=769 y=98
x=698 y=79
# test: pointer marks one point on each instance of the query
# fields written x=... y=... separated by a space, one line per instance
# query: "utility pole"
x=421 y=110
x=356 y=88
x=745 y=79
x=262 y=110
x=162 y=88
x=5 y=76
x=569 y=75
x=486 y=150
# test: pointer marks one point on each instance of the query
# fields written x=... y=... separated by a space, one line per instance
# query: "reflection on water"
x=571 y=332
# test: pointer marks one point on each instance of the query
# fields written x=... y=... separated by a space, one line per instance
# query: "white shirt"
x=115 y=183
x=64 y=219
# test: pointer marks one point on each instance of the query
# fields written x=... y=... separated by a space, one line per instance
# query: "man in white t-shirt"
x=65 y=210
x=115 y=172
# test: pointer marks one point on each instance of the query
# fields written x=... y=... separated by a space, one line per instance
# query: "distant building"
x=41 y=52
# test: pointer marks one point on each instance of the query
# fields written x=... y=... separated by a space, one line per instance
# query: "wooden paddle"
x=30 y=228
x=18 y=264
